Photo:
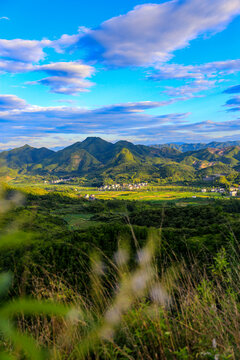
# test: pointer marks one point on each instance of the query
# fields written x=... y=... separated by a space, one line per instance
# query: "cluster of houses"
x=90 y=197
x=233 y=191
x=118 y=187
x=59 y=180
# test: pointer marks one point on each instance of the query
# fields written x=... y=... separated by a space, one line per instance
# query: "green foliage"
x=10 y=308
x=98 y=161
x=145 y=280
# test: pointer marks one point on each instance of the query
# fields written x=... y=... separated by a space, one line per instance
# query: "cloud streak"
x=11 y=102
x=233 y=104
x=127 y=121
x=232 y=90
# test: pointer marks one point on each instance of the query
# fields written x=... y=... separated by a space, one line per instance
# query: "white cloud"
x=4 y=18
x=30 y=51
x=150 y=33
x=66 y=77
x=11 y=102
x=67 y=41
x=15 y=66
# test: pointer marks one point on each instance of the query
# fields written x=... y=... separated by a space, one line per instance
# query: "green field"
x=153 y=193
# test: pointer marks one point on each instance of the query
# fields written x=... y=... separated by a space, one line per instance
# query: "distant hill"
x=24 y=157
x=198 y=146
x=98 y=161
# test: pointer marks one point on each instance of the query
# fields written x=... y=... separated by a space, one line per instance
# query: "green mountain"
x=123 y=157
x=98 y=160
x=72 y=160
x=23 y=158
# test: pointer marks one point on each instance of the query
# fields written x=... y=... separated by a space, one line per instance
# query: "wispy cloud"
x=11 y=102
x=190 y=90
x=117 y=118
x=127 y=121
x=4 y=18
x=233 y=104
x=197 y=72
x=198 y=78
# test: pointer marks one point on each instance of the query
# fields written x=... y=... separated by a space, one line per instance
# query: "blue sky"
x=147 y=72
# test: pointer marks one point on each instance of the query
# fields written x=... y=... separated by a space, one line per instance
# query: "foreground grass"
x=144 y=313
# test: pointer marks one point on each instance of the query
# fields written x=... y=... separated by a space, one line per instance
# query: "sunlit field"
x=152 y=193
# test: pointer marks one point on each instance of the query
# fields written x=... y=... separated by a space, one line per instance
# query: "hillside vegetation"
x=99 y=161
x=118 y=279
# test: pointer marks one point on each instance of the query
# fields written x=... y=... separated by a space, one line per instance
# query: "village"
x=58 y=181
x=233 y=191
x=123 y=187
x=117 y=187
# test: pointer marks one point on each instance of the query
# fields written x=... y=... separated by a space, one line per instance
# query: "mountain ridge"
x=95 y=158
x=184 y=147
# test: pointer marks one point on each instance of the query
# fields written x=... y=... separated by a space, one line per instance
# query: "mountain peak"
x=124 y=156
x=26 y=146
x=93 y=139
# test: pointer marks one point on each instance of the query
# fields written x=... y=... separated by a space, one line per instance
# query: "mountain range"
x=97 y=160
x=198 y=146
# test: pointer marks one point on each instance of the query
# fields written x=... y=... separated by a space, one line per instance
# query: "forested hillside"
x=100 y=161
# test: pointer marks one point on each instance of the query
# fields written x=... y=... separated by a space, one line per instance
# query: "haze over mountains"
x=98 y=160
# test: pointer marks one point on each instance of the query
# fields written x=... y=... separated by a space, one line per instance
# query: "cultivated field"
x=152 y=193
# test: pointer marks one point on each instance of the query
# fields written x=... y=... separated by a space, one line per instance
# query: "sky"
x=146 y=72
